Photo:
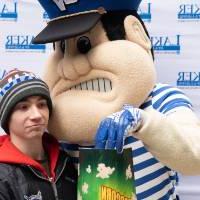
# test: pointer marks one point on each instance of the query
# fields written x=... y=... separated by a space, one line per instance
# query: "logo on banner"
x=189 y=12
x=23 y=43
x=188 y=79
x=61 y=3
x=145 y=12
x=166 y=44
x=8 y=11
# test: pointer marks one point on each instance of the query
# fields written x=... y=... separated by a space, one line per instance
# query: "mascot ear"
x=135 y=33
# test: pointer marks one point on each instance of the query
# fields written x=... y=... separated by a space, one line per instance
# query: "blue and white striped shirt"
x=153 y=180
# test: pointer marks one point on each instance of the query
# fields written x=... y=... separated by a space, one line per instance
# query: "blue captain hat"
x=69 y=18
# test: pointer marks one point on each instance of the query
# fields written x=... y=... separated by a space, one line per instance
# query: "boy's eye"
x=21 y=107
x=42 y=104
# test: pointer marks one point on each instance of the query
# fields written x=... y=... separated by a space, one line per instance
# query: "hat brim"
x=67 y=27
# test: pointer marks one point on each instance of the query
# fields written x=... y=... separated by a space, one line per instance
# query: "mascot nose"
x=73 y=66
x=83 y=44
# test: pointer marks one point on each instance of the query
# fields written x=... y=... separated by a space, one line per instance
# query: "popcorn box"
x=105 y=175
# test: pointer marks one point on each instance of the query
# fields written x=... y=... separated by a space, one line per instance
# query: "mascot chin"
x=102 y=80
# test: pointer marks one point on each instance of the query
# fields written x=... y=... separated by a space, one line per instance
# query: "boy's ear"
x=135 y=33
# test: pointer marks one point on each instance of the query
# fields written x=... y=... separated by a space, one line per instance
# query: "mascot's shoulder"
x=165 y=96
x=165 y=88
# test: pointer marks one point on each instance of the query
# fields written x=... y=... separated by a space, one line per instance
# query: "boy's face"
x=29 y=118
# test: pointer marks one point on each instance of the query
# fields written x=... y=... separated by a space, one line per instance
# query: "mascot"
x=103 y=84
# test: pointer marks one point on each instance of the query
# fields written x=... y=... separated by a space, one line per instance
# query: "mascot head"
x=102 y=59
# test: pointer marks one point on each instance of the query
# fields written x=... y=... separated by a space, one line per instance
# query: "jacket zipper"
x=53 y=184
x=64 y=165
x=50 y=179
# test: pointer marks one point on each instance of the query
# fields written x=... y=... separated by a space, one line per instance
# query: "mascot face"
x=86 y=87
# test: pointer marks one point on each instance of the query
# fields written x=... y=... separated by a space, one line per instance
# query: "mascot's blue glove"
x=116 y=127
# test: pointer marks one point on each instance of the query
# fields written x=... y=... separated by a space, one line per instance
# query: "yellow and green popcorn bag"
x=105 y=175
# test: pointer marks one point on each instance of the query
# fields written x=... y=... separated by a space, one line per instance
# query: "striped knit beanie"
x=16 y=86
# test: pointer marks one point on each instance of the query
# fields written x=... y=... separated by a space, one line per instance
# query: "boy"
x=31 y=164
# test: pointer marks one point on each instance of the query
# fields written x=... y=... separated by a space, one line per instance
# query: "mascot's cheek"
x=131 y=66
x=51 y=72
x=76 y=120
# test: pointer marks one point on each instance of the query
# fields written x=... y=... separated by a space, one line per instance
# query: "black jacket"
x=28 y=180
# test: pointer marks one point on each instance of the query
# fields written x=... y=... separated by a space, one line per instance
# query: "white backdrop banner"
x=20 y=21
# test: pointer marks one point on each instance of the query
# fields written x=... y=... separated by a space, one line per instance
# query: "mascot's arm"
x=174 y=139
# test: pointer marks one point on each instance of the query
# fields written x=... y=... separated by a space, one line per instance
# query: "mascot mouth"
x=98 y=84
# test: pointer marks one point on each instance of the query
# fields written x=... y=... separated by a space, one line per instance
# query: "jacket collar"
x=10 y=154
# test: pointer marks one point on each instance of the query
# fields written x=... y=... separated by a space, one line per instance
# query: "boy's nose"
x=35 y=113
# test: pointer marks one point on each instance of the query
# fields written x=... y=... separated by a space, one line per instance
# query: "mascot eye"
x=62 y=46
x=83 y=44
